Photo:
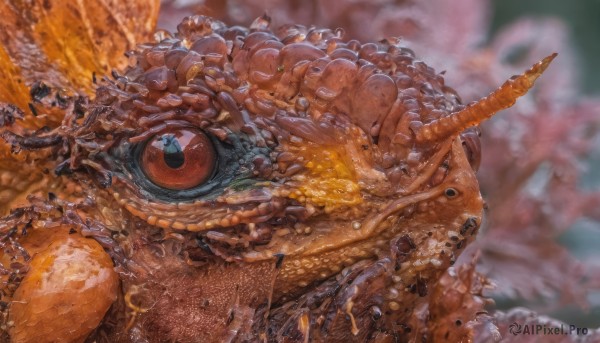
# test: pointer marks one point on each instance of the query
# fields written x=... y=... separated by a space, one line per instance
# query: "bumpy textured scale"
x=342 y=189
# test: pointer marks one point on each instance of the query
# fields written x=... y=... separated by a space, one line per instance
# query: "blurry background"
x=582 y=18
x=583 y=25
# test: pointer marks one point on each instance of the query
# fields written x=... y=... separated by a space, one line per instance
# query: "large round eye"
x=178 y=159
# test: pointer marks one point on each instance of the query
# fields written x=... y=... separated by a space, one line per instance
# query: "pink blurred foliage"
x=533 y=154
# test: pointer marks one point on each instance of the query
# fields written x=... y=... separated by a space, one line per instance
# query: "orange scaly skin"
x=343 y=190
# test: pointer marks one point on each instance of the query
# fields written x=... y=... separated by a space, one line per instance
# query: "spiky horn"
x=475 y=113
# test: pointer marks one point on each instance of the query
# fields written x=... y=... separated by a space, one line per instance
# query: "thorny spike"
x=475 y=113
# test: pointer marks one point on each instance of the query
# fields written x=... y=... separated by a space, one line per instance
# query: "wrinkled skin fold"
x=343 y=189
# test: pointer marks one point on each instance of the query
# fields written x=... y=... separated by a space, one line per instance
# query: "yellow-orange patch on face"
x=330 y=181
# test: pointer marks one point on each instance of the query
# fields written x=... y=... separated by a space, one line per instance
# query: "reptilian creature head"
x=281 y=186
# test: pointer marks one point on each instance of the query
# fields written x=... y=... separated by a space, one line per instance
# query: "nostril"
x=450 y=193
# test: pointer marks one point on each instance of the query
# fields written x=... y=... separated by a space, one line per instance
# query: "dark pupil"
x=172 y=152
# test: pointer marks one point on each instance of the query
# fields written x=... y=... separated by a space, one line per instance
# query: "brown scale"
x=353 y=190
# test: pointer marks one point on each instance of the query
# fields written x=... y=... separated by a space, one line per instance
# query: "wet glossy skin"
x=343 y=188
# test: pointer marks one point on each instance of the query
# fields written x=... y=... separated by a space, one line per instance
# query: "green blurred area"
x=582 y=17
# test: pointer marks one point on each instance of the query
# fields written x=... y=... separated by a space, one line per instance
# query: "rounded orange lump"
x=65 y=294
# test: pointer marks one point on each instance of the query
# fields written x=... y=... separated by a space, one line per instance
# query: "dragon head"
x=274 y=182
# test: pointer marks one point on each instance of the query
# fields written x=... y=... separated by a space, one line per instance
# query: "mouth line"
x=400 y=204
x=370 y=229
x=346 y=235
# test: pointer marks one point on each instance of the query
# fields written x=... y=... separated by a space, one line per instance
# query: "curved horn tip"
x=540 y=67
x=486 y=107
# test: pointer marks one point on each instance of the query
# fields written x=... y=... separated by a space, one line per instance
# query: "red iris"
x=178 y=159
